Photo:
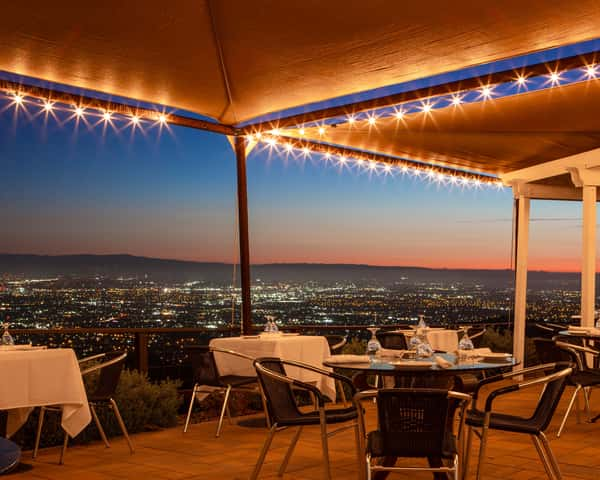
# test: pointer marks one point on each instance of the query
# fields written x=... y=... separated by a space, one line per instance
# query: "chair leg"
x=263 y=452
x=288 y=454
x=324 y=444
x=264 y=404
x=483 y=445
x=63 y=450
x=99 y=426
x=189 y=413
x=543 y=457
x=586 y=399
x=551 y=457
x=223 y=409
x=467 y=452
x=122 y=424
x=569 y=408
x=342 y=392
x=360 y=454
x=38 y=434
x=368 y=462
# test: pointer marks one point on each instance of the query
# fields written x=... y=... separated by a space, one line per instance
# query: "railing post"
x=141 y=352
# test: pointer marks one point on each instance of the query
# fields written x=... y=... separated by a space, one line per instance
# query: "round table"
x=434 y=376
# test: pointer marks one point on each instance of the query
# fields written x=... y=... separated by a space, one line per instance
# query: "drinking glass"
x=465 y=342
x=373 y=345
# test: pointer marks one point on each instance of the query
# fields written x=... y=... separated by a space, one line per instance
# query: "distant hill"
x=114 y=266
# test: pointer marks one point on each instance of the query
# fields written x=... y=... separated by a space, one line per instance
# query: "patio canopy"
x=235 y=60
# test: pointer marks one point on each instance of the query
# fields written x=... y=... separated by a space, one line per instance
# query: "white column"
x=522 y=246
x=588 y=258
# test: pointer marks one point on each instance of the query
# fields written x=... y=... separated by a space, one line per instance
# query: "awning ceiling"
x=493 y=136
x=273 y=55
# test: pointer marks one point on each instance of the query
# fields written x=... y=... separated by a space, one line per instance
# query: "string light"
x=555 y=78
x=399 y=114
x=135 y=120
x=288 y=147
x=302 y=131
x=48 y=106
x=426 y=108
x=372 y=120
x=18 y=99
x=107 y=116
x=321 y=130
x=521 y=80
x=456 y=100
x=351 y=119
x=590 y=71
x=79 y=112
x=486 y=92
x=162 y=119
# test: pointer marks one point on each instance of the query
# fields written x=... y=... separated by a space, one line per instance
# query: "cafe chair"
x=477 y=336
x=336 y=343
x=10 y=455
x=482 y=421
x=582 y=378
x=283 y=411
x=392 y=340
x=207 y=380
x=109 y=371
x=415 y=423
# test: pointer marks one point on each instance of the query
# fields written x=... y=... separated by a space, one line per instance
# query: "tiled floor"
x=170 y=454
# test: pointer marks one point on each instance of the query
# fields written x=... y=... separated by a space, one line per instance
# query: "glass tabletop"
x=397 y=366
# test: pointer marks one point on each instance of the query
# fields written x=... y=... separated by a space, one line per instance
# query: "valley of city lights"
x=300 y=148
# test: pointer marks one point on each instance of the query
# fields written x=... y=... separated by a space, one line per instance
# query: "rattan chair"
x=582 y=378
x=552 y=384
x=416 y=423
x=109 y=371
x=207 y=379
x=283 y=411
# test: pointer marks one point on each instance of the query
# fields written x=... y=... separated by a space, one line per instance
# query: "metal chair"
x=336 y=343
x=477 y=336
x=392 y=340
x=283 y=410
x=552 y=384
x=416 y=423
x=109 y=371
x=582 y=378
x=207 y=380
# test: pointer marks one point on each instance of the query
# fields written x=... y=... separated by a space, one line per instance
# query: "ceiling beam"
x=86 y=101
x=546 y=192
x=589 y=159
x=509 y=75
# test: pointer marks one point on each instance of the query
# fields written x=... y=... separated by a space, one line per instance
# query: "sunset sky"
x=171 y=194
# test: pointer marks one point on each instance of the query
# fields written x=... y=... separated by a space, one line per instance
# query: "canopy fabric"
x=493 y=136
x=234 y=60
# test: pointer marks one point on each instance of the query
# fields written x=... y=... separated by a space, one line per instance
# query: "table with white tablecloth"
x=33 y=378
x=440 y=339
x=312 y=350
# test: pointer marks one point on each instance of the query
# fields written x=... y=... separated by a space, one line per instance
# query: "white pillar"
x=522 y=246
x=588 y=258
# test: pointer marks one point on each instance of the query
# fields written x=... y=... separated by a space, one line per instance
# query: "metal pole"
x=242 y=194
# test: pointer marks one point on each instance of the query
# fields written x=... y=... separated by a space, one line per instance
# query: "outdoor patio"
x=199 y=455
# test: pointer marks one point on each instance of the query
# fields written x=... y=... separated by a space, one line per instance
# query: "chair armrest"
x=321 y=371
x=504 y=376
x=292 y=381
x=231 y=352
x=90 y=358
x=578 y=348
x=526 y=384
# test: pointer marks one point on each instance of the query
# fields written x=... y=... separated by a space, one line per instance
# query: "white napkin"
x=348 y=358
x=476 y=352
x=442 y=362
x=390 y=352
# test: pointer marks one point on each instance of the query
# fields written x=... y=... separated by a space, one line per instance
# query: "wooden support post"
x=141 y=352
x=242 y=194
x=522 y=251
x=588 y=258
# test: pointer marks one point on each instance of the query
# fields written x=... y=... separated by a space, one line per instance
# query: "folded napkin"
x=476 y=352
x=442 y=362
x=390 y=352
x=347 y=358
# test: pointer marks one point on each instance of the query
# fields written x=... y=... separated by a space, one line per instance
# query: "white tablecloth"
x=307 y=349
x=43 y=377
x=439 y=339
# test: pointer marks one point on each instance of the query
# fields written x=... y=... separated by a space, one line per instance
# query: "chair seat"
x=502 y=421
x=338 y=415
x=236 y=380
x=411 y=445
x=10 y=454
x=585 y=378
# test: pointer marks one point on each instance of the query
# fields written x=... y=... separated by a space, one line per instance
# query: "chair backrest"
x=277 y=389
x=336 y=342
x=415 y=422
x=109 y=369
x=476 y=336
x=550 y=397
x=204 y=368
x=392 y=340
x=548 y=352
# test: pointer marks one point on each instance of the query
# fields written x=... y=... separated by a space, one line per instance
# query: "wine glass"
x=424 y=349
x=465 y=342
x=7 y=338
x=373 y=345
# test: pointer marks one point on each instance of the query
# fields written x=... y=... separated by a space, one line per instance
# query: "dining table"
x=309 y=349
x=34 y=377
